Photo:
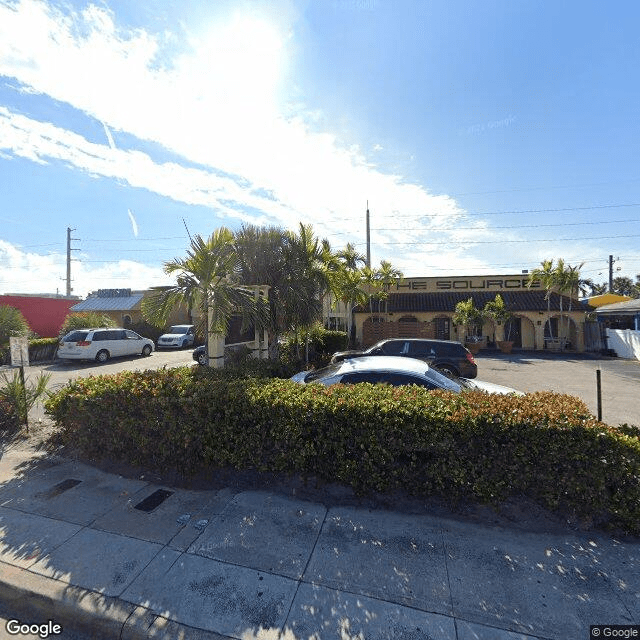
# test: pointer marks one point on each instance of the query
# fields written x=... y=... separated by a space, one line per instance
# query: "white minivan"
x=102 y=344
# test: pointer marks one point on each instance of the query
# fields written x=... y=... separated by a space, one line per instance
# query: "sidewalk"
x=219 y=564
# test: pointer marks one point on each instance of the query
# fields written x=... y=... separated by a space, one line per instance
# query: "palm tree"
x=206 y=279
x=576 y=284
x=293 y=266
x=348 y=282
x=547 y=276
x=351 y=258
x=350 y=288
x=308 y=281
x=388 y=275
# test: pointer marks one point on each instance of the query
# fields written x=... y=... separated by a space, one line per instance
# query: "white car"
x=396 y=371
x=102 y=344
x=179 y=336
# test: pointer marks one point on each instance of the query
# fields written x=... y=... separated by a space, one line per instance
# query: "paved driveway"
x=570 y=373
x=528 y=371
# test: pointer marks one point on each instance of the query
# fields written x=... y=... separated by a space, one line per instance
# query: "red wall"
x=44 y=315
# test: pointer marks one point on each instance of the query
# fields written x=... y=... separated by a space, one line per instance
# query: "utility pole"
x=611 y=261
x=69 y=250
x=368 y=239
x=610 y=274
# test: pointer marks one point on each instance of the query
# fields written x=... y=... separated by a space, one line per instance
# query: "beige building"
x=424 y=307
x=123 y=306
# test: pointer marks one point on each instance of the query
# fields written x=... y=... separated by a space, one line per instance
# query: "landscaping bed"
x=543 y=447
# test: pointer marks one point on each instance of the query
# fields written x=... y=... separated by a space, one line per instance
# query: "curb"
x=100 y=616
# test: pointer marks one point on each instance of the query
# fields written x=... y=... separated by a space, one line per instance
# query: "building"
x=45 y=314
x=620 y=315
x=124 y=307
x=424 y=307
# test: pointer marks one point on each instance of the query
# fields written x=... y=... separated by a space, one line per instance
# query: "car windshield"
x=443 y=381
x=178 y=330
x=325 y=372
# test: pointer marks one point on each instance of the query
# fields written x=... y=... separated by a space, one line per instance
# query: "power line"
x=467 y=242
x=525 y=226
x=496 y=213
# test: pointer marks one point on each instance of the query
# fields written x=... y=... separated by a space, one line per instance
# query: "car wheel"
x=185 y=344
x=202 y=359
x=102 y=355
x=146 y=350
x=448 y=371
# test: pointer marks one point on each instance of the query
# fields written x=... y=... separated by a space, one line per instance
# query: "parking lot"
x=574 y=374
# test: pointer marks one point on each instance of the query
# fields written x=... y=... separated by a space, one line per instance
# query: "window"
x=76 y=336
x=394 y=348
x=421 y=350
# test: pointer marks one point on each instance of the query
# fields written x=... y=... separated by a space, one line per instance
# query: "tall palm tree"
x=547 y=276
x=307 y=279
x=206 y=279
x=388 y=276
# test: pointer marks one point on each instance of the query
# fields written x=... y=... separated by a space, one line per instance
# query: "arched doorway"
x=562 y=329
x=513 y=331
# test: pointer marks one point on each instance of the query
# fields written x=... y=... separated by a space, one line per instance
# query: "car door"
x=132 y=343
x=422 y=351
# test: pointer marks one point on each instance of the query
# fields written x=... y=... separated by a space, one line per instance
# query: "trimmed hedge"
x=375 y=438
x=40 y=350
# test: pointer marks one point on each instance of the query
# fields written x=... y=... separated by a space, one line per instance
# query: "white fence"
x=625 y=342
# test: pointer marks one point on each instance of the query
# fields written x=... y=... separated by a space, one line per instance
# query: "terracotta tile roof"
x=446 y=301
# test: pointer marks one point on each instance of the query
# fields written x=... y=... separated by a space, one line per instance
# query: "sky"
x=484 y=136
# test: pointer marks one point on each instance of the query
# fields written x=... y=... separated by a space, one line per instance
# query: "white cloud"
x=25 y=272
x=216 y=102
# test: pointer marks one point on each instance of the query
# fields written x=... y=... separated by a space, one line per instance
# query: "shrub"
x=374 y=438
x=86 y=320
x=323 y=343
x=12 y=323
x=42 y=349
x=9 y=421
x=20 y=394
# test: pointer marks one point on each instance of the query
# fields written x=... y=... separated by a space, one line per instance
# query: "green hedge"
x=375 y=438
x=40 y=350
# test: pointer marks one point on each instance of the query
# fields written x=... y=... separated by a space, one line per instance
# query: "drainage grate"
x=61 y=487
x=152 y=501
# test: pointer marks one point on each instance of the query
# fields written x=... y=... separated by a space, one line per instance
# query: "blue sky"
x=486 y=136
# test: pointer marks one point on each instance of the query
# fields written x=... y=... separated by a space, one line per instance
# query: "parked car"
x=179 y=336
x=200 y=355
x=396 y=371
x=102 y=344
x=449 y=357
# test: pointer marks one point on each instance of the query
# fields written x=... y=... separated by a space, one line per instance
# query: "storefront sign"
x=496 y=283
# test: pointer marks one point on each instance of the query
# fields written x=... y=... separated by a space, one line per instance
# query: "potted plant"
x=497 y=310
x=471 y=319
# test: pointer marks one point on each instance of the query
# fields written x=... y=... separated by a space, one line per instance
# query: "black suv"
x=451 y=358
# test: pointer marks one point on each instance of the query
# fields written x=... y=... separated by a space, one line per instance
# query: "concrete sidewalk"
x=219 y=564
